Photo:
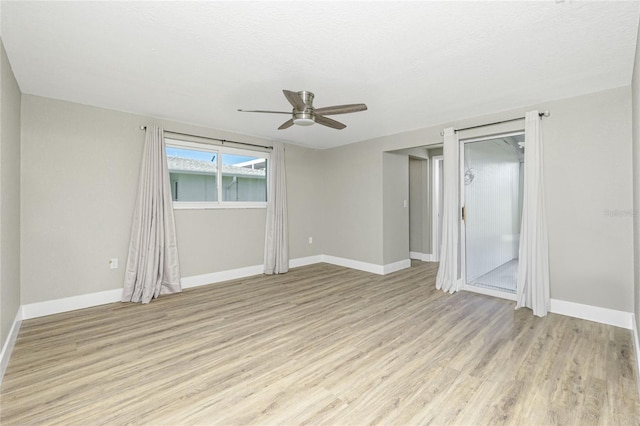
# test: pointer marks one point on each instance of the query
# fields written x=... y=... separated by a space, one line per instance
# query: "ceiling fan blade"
x=325 y=121
x=286 y=124
x=259 y=110
x=341 y=109
x=295 y=100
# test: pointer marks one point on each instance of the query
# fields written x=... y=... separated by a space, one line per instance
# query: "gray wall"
x=352 y=209
x=396 y=215
x=219 y=239
x=79 y=179
x=635 y=93
x=588 y=183
x=306 y=186
x=9 y=196
x=419 y=214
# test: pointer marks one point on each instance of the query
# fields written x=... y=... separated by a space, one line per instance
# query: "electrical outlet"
x=310 y=240
x=113 y=263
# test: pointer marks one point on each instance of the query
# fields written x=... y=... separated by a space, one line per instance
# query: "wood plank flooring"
x=320 y=345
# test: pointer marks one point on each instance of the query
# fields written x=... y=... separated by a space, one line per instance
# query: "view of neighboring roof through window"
x=208 y=176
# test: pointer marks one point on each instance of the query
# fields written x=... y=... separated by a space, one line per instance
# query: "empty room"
x=319 y=212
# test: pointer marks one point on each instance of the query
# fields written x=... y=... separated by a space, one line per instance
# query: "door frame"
x=462 y=228
x=436 y=191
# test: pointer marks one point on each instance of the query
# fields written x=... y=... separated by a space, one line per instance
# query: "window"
x=210 y=176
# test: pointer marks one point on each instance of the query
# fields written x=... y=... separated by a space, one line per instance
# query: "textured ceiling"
x=414 y=64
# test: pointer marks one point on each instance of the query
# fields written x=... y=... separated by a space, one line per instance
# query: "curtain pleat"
x=532 y=289
x=447 y=278
x=152 y=264
x=276 y=241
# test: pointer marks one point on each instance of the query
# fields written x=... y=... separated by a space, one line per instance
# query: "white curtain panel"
x=152 y=264
x=447 y=278
x=276 y=240
x=533 y=266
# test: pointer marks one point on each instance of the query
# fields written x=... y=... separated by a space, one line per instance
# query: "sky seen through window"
x=229 y=159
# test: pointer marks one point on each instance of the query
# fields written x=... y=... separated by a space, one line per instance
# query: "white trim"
x=56 y=306
x=354 y=264
x=7 y=348
x=436 y=188
x=304 y=261
x=636 y=346
x=216 y=277
x=425 y=257
x=592 y=313
x=489 y=292
x=212 y=205
x=462 y=223
x=396 y=266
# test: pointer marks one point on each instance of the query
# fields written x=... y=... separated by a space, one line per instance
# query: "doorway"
x=492 y=177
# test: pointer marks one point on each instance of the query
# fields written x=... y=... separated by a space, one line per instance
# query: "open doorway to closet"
x=492 y=178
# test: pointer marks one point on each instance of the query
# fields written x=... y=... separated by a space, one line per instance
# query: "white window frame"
x=219 y=150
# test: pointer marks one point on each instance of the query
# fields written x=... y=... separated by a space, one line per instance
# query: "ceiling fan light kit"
x=304 y=118
x=304 y=114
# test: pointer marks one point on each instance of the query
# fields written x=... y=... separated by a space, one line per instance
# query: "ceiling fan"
x=304 y=114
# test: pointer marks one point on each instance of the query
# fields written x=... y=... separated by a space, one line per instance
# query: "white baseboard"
x=354 y=264
x=425 y=257
x=7 y=348
x=304 y=261
x=350 y=263
x=56 y=306
x=396 y=266
x=636 y=345
x=216 y=277
x=593 y=313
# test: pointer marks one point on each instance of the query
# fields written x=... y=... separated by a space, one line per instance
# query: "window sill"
x=195 y=205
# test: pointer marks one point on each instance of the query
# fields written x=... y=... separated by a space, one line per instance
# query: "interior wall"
x=589 y=199
x=306 y=202
x=80 y=168
x=396 y=207
x=418 y=195
x=9 y=196
x=352 y=208
x=635 y=119
x=588 y=184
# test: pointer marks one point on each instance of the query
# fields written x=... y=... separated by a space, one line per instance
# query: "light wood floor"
x=320 y=345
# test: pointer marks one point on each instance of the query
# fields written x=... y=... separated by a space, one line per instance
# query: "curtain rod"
x=213 y=139
x=541 y=114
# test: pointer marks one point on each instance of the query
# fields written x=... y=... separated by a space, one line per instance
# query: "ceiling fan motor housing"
x=307 y=98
